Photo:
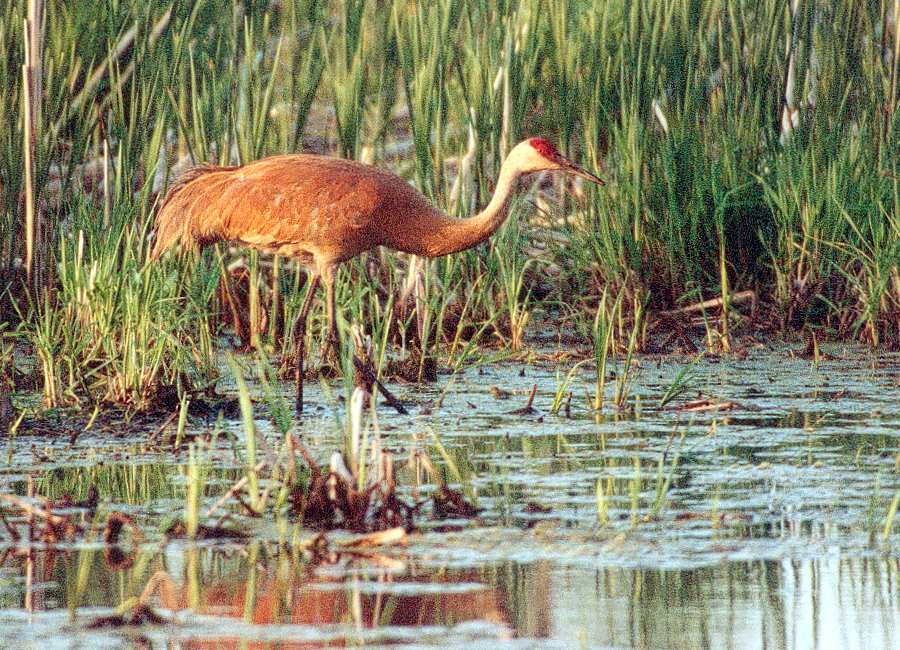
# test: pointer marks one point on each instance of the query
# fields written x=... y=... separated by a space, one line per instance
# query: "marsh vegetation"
x=677 y=386
x=748 y=147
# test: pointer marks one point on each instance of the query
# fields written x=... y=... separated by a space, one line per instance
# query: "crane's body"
x=324 y=211
x=319 y=210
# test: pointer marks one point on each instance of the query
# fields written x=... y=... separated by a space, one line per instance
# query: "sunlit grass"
x=678 y=105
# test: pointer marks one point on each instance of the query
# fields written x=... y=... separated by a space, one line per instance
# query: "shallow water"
x=761 y=526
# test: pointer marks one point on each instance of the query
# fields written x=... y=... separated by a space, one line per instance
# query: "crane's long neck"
x=442 y=235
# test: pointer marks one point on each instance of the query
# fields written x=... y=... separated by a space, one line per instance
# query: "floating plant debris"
x=701 y=405
x=528 y=409
x=449 y=503
x=139 y=615
x=179 y=530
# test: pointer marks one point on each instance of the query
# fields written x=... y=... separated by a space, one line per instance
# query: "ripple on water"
x=760 y=527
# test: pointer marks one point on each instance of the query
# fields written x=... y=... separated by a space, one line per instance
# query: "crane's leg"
x=332 y=342
x=300 y=337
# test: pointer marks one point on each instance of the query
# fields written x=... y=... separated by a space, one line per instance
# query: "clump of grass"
x=347 y=73
x=249 y=435
x=626 y=376
x=562 y=387
x=664 y=479
x=118 y=330
x=195 y=482
x=513 y=266
x=353 y=492
x=680 y=383
x=645 y=494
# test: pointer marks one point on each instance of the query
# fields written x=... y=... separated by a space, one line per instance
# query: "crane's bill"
x=572 y=168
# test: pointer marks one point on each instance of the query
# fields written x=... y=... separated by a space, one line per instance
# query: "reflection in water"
x=252 y=595
x=826 y=603
x=823 y=603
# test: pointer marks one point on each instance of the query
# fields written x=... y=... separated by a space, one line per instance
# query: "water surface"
x=757 y=526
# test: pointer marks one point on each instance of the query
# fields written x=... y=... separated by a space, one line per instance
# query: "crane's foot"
x=331 y=364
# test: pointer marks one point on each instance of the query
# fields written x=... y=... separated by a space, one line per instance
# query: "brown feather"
x=171 y=223
x=320 y=210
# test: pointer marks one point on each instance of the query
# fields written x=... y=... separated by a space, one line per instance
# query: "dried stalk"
x=28 y=151
x=790 y=113
x=734 y=299
x=36 y=48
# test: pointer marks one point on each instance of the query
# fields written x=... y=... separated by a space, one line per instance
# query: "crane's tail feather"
x=173 y=220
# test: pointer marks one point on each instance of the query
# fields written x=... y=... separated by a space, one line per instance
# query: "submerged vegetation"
x=748 y=147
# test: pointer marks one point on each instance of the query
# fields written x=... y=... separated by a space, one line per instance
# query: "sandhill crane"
x=324 y=211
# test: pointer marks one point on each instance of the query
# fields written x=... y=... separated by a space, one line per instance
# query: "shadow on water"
x=761 y=525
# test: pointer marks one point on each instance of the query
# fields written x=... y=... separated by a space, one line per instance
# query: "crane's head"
x=538 y=154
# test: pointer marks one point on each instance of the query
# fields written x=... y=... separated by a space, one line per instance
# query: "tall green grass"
x=678 y=103
x=117 y=329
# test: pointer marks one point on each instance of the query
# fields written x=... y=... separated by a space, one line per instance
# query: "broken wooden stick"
x=736 y=299
x=234 y=489
x=33 y=510
x=366 y=370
